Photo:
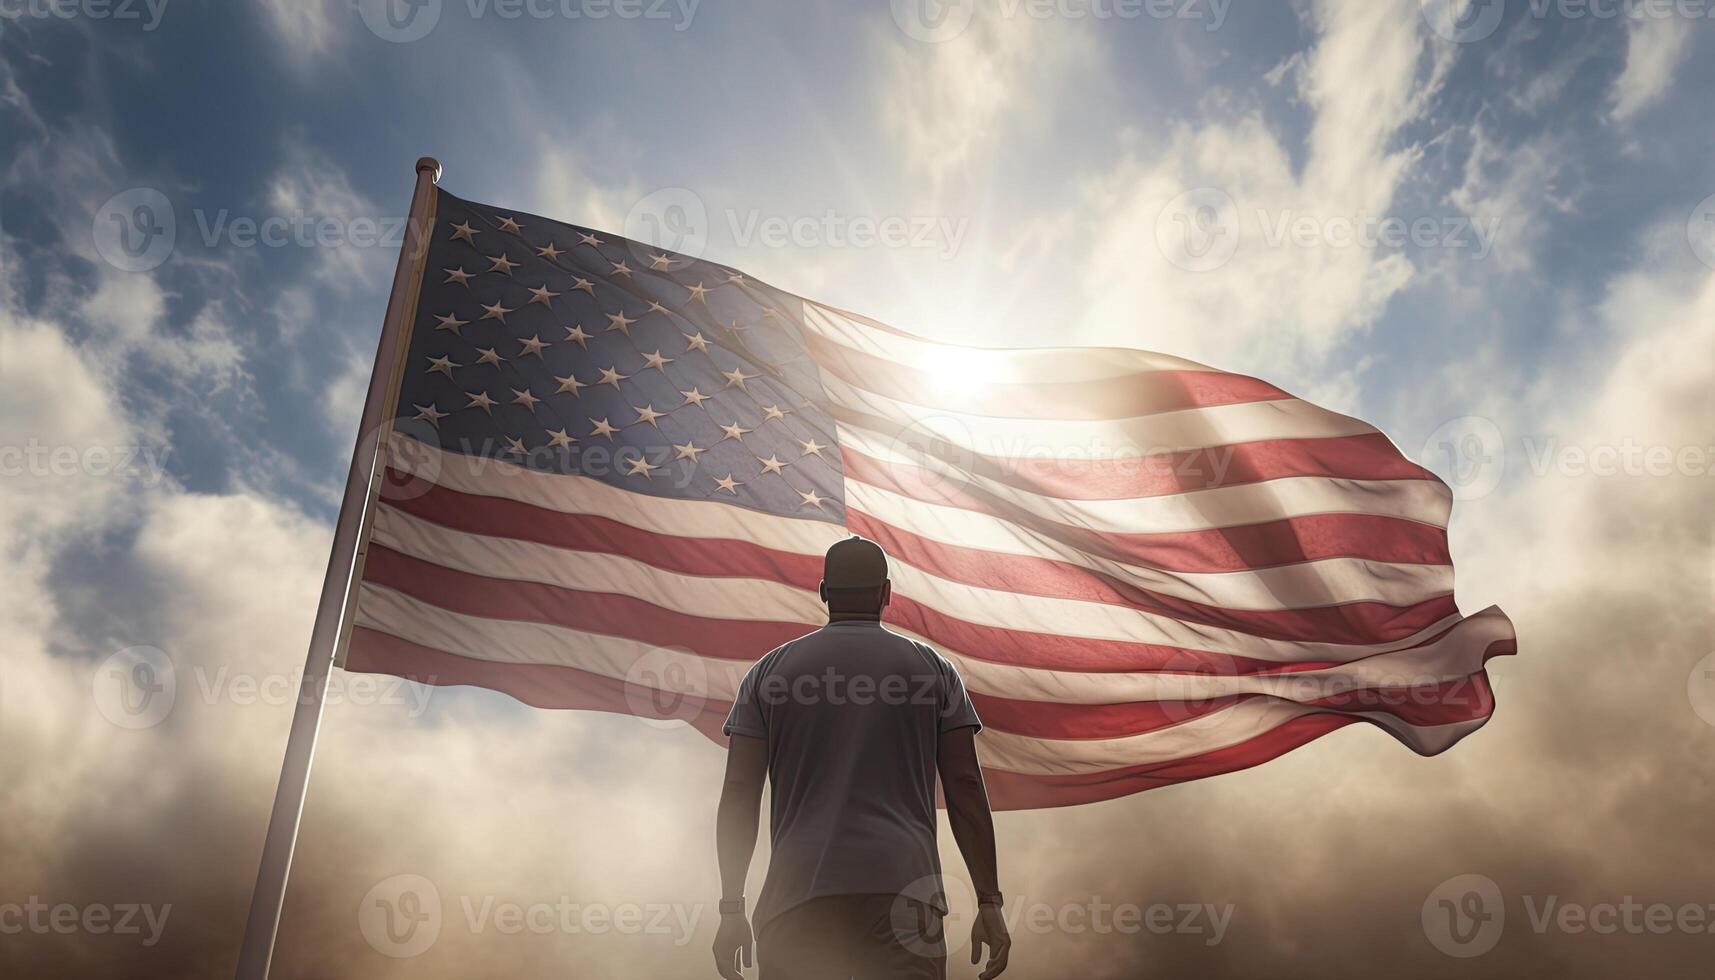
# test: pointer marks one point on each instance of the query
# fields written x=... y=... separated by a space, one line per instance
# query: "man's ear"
x=822 y=590
x=886 y=594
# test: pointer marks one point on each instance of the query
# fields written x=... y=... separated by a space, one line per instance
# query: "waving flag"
x=613 y=472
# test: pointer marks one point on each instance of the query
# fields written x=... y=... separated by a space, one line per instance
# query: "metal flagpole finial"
x=431 y=165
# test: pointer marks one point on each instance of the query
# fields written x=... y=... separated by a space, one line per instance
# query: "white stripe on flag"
x=1035 y=438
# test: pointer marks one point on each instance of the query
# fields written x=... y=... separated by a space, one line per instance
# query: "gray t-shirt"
x=852 y=714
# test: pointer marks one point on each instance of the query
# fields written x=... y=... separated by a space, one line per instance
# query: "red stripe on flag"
x=546 y=686
x=538 y=685
x=747 y=640
x=1261 y=545
x=1164 y=471
x=1446 y=703
x=561 y=686
x=505 y=518
x=606 y=613
x=1022 y=791
x=1352 y=622
x=497 y=517
x=1465 y=699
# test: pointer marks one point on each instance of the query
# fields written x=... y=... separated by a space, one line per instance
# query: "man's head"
x=854 y=577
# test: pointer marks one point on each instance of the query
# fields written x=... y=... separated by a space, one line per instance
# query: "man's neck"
x=854 y=617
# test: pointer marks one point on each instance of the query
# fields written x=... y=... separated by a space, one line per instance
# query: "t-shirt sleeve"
x=746 y=715
x=957 y=711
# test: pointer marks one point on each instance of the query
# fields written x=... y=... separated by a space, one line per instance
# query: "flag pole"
x=270 y=894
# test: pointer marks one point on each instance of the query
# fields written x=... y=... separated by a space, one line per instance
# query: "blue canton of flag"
x=552 y=347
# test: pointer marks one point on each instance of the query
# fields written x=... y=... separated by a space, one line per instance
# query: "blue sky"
x=1062 y=174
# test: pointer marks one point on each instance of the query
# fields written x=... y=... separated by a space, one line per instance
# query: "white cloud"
x=342 y=398
x=306 y=28
x=126 y=312
x=358 y=262
x=946 y=104
x=126 y=315
x=50 y=398
x=1513 y=188
x=226 y=585
x=1655 y=46
x=126 y=309
x=1276 y=308
x=569 y=192
x=208 y=351
x=355 y=241
x=1648 y=382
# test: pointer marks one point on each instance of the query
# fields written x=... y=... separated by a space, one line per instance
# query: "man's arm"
x=973 y=827
x=735 y=842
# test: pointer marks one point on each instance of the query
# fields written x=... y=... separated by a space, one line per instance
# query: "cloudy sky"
x=1488 y=229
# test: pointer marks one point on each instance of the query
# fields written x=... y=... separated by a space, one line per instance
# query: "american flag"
x=614 y=470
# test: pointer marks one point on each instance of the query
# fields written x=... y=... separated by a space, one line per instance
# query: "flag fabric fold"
x=614 y=469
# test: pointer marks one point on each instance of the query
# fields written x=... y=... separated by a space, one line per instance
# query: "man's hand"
x=735 y=839
x=990 y=928
x=733 y=946
x=973 y=827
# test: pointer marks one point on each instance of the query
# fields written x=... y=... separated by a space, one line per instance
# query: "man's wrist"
x=990 y=898
x=732 y=906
